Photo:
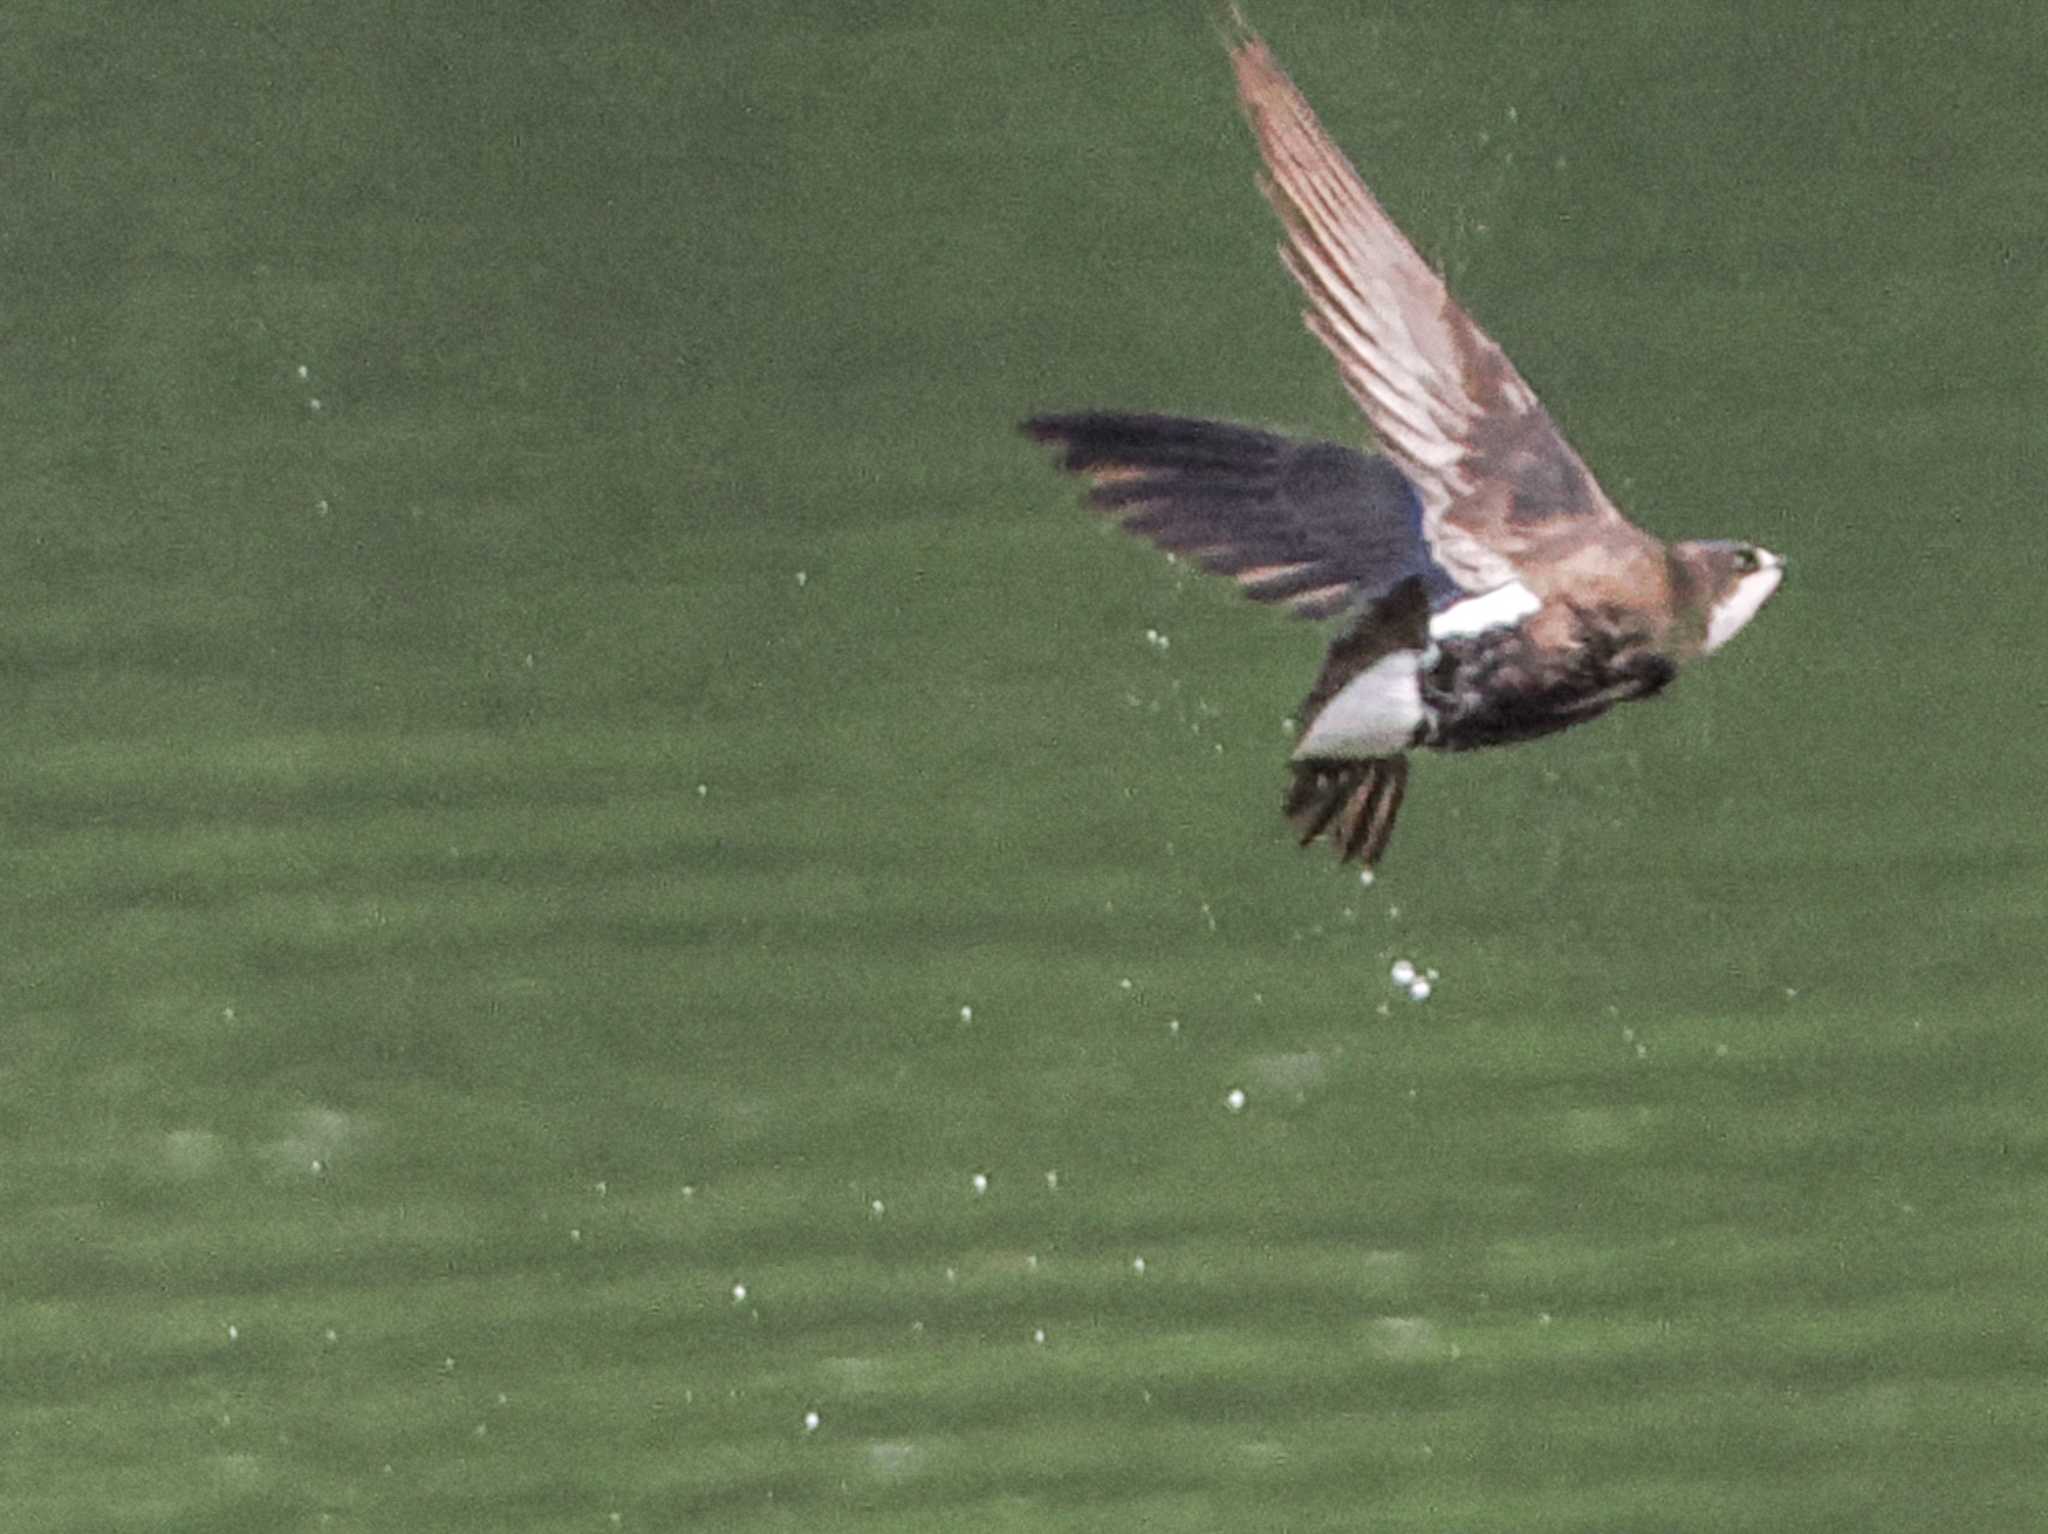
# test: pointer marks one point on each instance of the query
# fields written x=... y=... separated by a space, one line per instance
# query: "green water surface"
x=572 y=786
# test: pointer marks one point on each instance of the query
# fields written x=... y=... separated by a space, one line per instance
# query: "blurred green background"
x=572 y=785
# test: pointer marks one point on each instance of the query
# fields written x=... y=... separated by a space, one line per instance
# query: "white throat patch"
x=1740 y=605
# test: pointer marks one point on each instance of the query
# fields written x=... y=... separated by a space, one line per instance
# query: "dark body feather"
x=1497 y=688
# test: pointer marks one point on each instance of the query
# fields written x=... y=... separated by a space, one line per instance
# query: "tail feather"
x=1355 y=803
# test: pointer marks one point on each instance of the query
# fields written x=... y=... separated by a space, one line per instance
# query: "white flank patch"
x=1375 y=715
x=1741 y=604
x=1489 y=610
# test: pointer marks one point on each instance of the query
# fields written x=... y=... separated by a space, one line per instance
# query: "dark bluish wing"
x=1311 y=525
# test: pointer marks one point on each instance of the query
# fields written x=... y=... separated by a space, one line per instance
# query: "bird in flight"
x=1491 y=592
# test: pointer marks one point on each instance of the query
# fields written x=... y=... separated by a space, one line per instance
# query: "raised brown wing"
x=1503 y=495
x=1309 y=524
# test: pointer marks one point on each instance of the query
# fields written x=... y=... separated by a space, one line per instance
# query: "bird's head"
x=1725 y=584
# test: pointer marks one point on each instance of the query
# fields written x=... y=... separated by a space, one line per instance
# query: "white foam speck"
x=1403 y=972
x=1419 y=990
x=739 y=1294
x=1235 y=1100
x=980 y=1183
x=811 y=1421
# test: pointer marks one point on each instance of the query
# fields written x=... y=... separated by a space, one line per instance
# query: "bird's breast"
x=1525 y=681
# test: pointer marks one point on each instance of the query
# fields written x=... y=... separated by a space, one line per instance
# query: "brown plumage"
x=1496 y=594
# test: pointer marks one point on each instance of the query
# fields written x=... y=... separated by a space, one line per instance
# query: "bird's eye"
x=1747 y=561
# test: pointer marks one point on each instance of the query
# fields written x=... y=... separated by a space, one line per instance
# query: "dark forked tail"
x=1354 y=803
x=1353 y=799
